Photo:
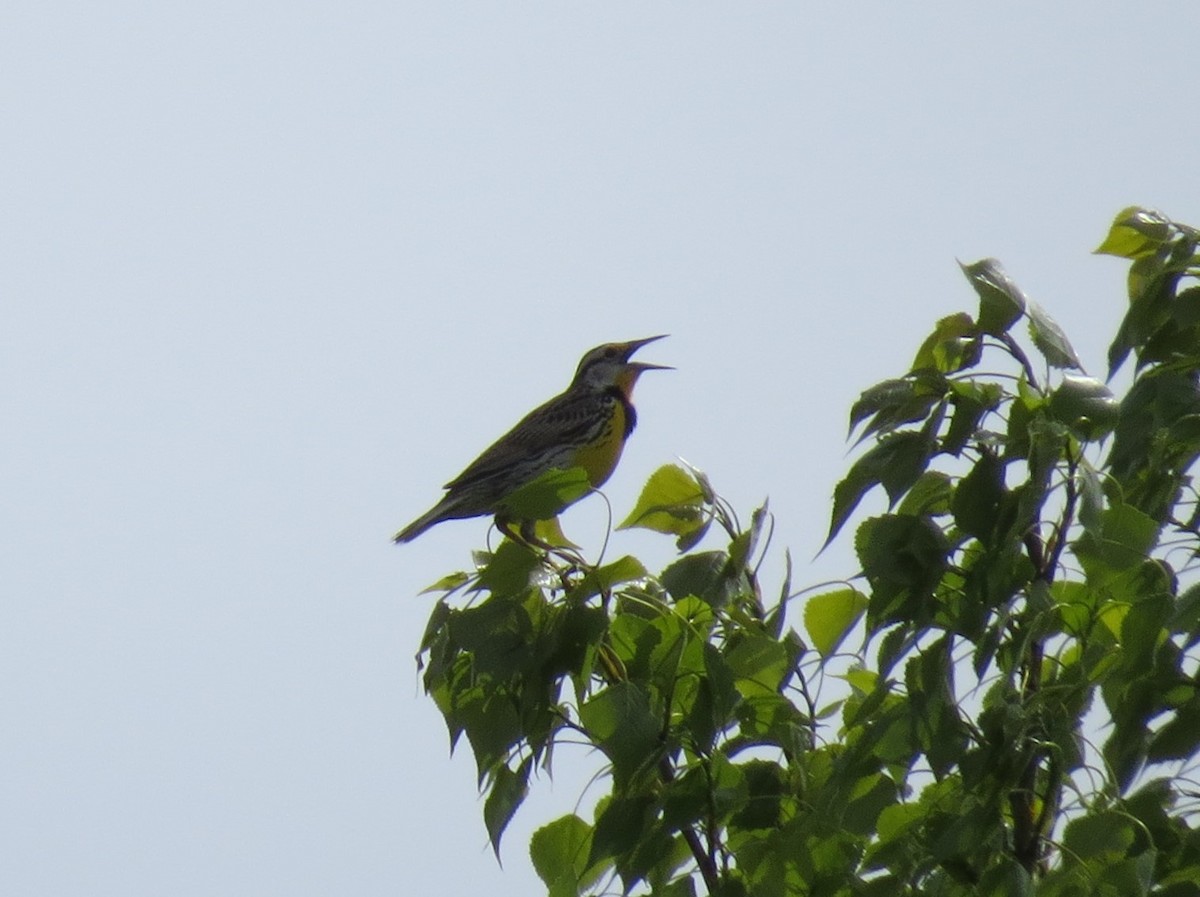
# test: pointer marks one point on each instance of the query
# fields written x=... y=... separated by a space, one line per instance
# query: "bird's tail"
x=449 y=508
x=418 y=526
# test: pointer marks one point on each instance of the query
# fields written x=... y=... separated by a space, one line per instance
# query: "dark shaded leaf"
x=620 y=720
x=894 y=402
x=977 y=499
x=508 y=571
x=903 y=559
x=1085 y=405
x=508 y=790
x=971 y=402
x=702 y=574
x=766 y=790
x=1100 y=835
x=1050 y=339
x=896 y=463
x=1001 y=302
x=930 y=495
x=621 y=823
x=1179 y=738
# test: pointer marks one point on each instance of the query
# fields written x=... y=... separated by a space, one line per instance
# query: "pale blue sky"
x=272 y=272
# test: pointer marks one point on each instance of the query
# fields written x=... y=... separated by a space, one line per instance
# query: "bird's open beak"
x=633 y=345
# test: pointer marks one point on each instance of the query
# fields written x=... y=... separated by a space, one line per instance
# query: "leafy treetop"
x=1019 y=713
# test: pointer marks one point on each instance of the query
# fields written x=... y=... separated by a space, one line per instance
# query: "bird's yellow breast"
x=599 y=456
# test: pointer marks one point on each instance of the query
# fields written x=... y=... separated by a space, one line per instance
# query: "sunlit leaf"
x=560 y=850
x=1135 y=232
x=952 y=346
x=600 y=580
x=830 y=616
x=759 y=665
x=549 y=532
x=548 y=494
x=447 y=583
x=672 y=501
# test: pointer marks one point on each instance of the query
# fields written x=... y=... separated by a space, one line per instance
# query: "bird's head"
x=609 y=365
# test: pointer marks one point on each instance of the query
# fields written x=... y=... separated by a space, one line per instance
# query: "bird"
x=584 y=427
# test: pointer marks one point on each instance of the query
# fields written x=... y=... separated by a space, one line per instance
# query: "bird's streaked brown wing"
x=563 y=421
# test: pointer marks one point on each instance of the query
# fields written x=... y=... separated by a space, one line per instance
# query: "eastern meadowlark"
x=584 y=427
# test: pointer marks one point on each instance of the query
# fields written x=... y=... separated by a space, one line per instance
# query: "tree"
x=1021 y=713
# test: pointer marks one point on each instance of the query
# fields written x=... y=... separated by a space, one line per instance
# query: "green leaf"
x=759 y=665
x=1156 y=440
x=497 y=633
x=1186 y=616
x=772 y=719
x=1135 y=232
x=601 y=580
x=437 y=620
x=953 y=345
x=1177 y=338
x=545 y=496
x=971 y=400
x=621 y=823
x=559 y=851
x=1050 y=339
x=903 y=559
x=681 y=887
x=830 y=616
x=621 y=722
x=1179 y=738
x=766 y=790
x=930 y=495
x=701 y=574
x=1005 y=878
x=508 y=571
x=491 y=724
x=672 y=501
x=896 y=462
x=1085 y=405
x=895 y=402
x=1122 y=541
x=448 y=583
x=508 y=790
x=1001 y=302
x=867 y=799
x=977 y=499
x=1106 y=834
x=1149 y=322
x=716 y=697
x=1091 y=494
